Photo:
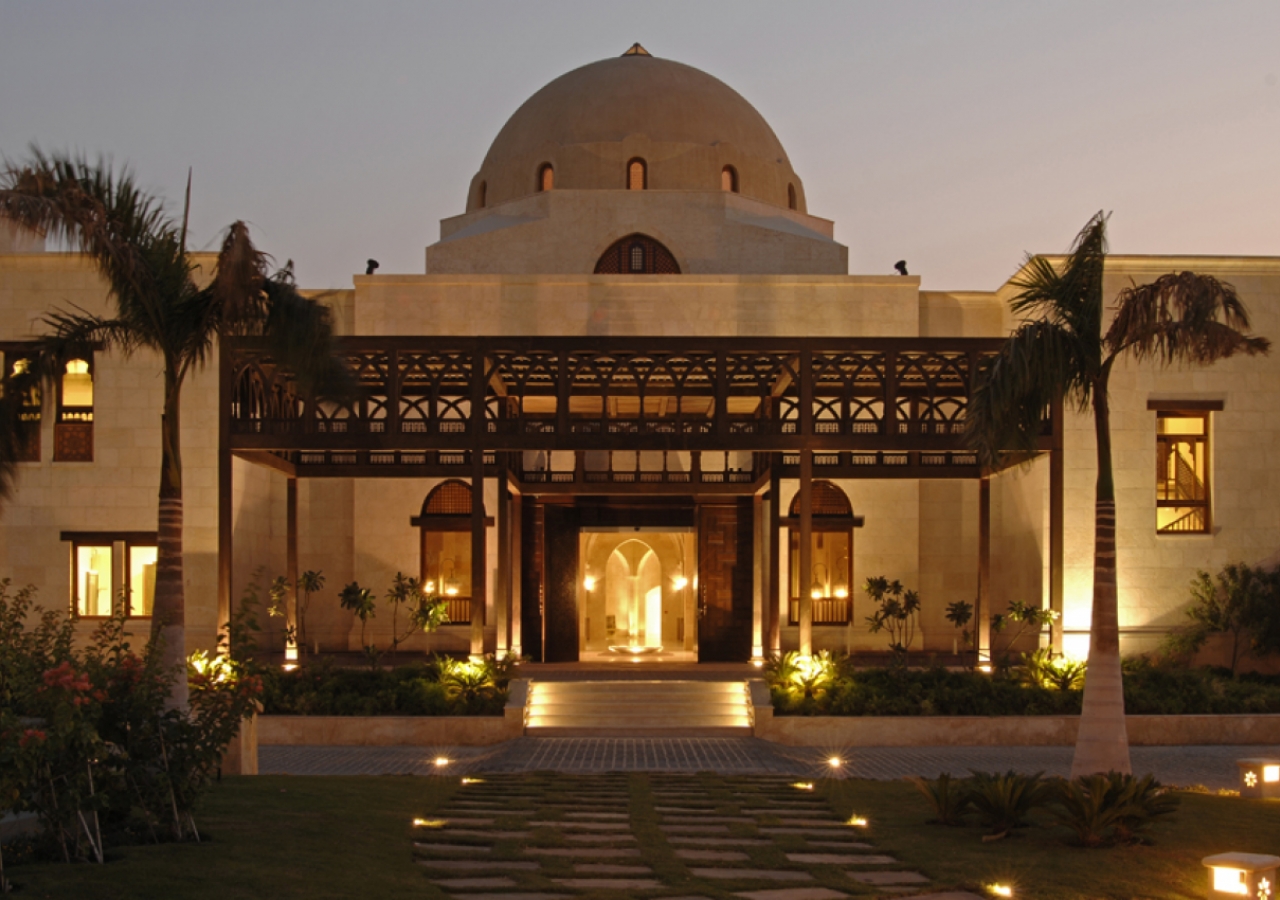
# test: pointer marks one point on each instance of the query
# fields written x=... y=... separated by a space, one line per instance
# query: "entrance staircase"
x=638 y=709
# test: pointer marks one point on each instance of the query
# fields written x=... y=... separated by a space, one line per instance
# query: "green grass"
x=281 y=837
x=1043 y=865
x=273 y=837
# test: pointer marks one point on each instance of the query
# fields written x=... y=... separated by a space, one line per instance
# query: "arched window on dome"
x=481 y=194
x=791 y=196
x=729 y=179
x=637 y=175
x=637 y=254
x=546 y=177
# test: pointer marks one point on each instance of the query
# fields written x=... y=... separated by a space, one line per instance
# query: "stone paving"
x=1211 y=766
x=528 y=853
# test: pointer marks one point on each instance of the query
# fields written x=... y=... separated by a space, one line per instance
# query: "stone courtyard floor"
x=1211 y=766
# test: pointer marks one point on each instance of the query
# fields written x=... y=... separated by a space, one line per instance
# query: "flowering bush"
x=86 y=740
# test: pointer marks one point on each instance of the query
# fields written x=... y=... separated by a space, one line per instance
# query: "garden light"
x=857 y=821
x=835 y=762
x=1259 y=777
x=473 y=781
x=1000 y=890
x=1251 y=875
x=442 y=761
x=803 y=785
x=289 y=667
x=428 y=823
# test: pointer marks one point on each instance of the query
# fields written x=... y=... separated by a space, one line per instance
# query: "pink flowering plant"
x=87 y=741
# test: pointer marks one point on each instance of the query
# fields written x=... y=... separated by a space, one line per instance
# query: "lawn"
x=282 y=837
x=1042 y=865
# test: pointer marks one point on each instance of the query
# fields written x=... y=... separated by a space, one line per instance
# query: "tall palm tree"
x=1064 y=348
x=158 y=305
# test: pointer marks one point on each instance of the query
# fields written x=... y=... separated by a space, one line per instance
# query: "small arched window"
x=637 y=175
x=791 y=196
x=482 y=194
x=729 y=179
x=637 y=254
x=546 y=177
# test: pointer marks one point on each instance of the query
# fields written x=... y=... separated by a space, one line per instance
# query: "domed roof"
x=588 y=124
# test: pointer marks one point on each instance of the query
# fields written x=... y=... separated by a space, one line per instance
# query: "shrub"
x=86 y=741
x=1042 y=669
x=1103 y=809
x=950 y=799
x=1003 y=801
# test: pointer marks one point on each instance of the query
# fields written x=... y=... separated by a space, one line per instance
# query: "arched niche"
x=637 y=254
x=445 y=546
x=831 y=563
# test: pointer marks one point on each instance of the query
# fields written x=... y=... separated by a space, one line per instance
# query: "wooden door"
x=725 y=582
x=560 y=586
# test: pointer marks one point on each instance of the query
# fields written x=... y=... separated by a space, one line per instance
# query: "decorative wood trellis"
x=867 y=407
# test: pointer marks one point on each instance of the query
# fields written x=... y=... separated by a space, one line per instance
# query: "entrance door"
x=560 y=565
x=725 y=582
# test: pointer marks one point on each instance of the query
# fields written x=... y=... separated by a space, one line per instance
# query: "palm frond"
x=1006 y=411
x=1182 y=317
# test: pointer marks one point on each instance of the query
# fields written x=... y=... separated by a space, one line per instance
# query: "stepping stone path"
x=543 y=836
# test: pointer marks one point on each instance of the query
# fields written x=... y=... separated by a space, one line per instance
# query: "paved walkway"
x=1214 y=766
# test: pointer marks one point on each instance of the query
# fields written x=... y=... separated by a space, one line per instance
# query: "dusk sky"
x=955 y=135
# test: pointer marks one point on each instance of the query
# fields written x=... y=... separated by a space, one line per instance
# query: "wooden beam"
x=269 y=460
x=1057 y=533
x=503 y=578
x=774 y=641
x=517 y=574
x=479 y=565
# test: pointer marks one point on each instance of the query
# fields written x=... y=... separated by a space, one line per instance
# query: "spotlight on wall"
x=589 y=583
x=681 y=583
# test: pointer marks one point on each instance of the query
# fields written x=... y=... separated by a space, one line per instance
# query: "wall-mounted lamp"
x=819 y=590
x=589 y=583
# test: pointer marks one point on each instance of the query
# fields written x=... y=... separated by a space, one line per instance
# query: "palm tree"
x=159 y=306
x=1063 y=348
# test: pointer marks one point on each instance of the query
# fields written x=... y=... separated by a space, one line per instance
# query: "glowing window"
x=30 y=415
x=791 y=196
x=445 y=546
x=831 y=555
x=546 y=177
x=94 y=580
x=142 y=579
x=73 y=427
x=115 y=572
x=729 y=179
x=637 y=173
x=1182 y=472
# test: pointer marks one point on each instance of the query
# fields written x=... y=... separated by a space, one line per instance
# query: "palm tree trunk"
x=168 y=614
x=1102 y=743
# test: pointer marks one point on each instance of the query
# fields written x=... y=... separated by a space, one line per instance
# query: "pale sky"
x=955 y=135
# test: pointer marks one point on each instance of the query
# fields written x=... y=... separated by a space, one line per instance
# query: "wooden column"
x=291 y=560
x=503 y=579
x=806 y=551
x=517 y=574
x=1056 y=534
x=225 y=518
x=774 y=643
x=982 y=608
x=479 y=589
x=759 y=575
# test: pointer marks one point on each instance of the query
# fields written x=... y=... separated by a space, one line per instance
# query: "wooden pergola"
x=480 y=407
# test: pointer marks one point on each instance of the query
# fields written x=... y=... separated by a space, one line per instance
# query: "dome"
x=689 y=131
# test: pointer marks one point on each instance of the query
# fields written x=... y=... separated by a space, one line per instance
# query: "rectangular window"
x=15 y=363
x=113 y=571
x=832 y=570
x=73 y=428
x=1182 y=472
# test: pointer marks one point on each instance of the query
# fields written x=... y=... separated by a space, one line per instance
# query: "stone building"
x=692 y=433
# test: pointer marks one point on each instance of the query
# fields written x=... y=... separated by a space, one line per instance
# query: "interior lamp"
x=589 y=583
x=1259 y=777
x=681 y=583
x=1251 y=875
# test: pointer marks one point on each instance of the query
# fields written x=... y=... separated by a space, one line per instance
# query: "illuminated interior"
x=1230 y=881
x=94 y=580
x=142 y=580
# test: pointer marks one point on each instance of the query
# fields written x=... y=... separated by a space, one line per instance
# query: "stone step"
x=638 y=708
x=631 y=731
